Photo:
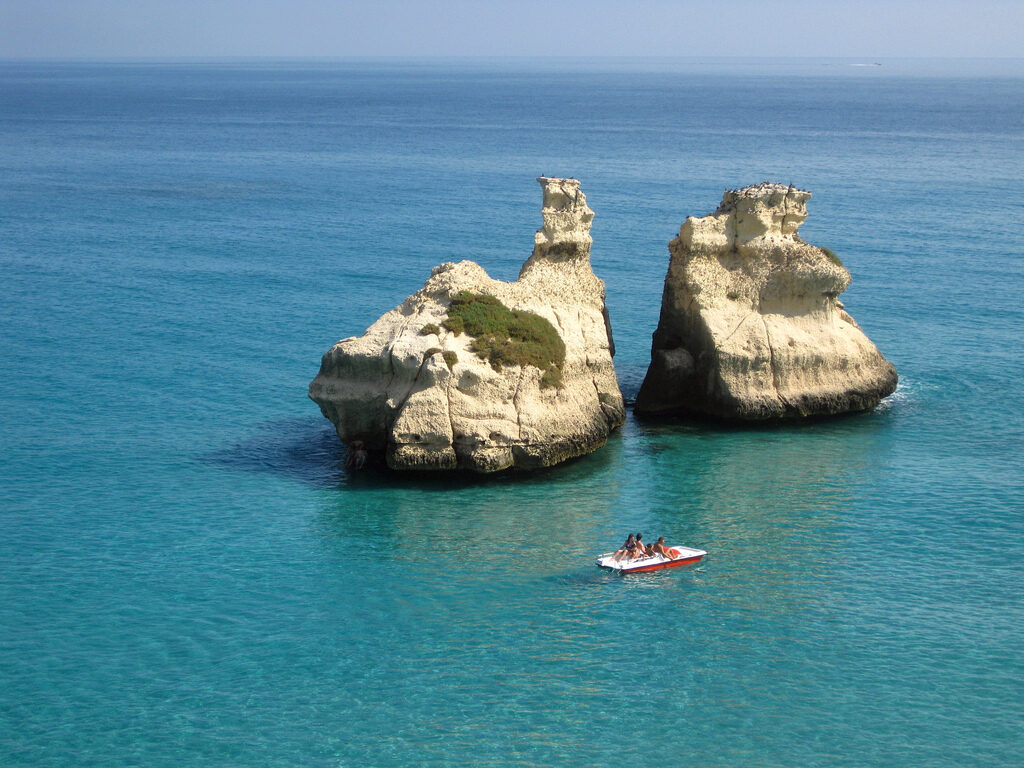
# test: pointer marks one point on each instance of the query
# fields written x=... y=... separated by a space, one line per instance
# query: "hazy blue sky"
x=201 y=28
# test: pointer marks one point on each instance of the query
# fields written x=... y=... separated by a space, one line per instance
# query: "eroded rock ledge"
x=751 y=324
x=413 y=388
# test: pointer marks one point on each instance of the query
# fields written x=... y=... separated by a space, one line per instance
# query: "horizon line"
x=508 y=57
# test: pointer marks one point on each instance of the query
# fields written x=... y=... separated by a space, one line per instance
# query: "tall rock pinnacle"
x=751 y=324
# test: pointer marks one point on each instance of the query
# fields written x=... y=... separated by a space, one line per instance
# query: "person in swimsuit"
x=625 y=550
x=659 y=548
x=642 y=550
x=356 y=458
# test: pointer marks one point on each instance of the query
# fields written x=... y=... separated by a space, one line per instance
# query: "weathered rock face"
x=751 y=325
x=415 y=389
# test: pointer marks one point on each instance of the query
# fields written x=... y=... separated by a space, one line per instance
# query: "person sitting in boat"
x=659 y=548
x=626 y=550
x=642 y=550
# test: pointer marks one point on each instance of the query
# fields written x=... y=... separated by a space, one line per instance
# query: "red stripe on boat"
x=657 y=566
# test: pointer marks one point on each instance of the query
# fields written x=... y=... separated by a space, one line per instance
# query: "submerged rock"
x=475 y=373
x=751 y=324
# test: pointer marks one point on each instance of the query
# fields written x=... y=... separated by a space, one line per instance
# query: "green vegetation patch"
x=429 y=329
x=449 y=356
x=831 y=257
x=504 y=336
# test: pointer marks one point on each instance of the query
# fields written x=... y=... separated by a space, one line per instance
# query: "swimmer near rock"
x=356 y=458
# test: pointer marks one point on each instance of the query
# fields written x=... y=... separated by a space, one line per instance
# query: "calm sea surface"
x=188 y=576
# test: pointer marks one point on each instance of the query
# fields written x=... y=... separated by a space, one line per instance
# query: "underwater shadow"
x=695 y=422
x=303 y=449
x=307 y=450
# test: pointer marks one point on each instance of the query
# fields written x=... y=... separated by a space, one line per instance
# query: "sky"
x=49 y=29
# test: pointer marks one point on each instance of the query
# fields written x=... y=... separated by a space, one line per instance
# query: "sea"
x=189 y=576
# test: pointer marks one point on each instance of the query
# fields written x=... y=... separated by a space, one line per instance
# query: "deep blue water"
x=188 y=576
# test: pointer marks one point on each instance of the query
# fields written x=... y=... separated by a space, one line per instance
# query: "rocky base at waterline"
x=751 y=324
x=475 y=373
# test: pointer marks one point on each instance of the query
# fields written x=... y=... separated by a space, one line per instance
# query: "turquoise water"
x=188 y=576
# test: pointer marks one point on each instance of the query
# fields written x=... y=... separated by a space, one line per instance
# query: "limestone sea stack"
x=751 y=324
x=475 y=373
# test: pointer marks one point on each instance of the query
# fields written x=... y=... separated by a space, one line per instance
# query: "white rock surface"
x=383 y=389
x=751 y=325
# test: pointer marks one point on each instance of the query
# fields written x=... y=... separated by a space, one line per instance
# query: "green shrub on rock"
x=831 y=256
x=449 y=356
x=504 y=336
x=454 y=325
x=552 y=377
